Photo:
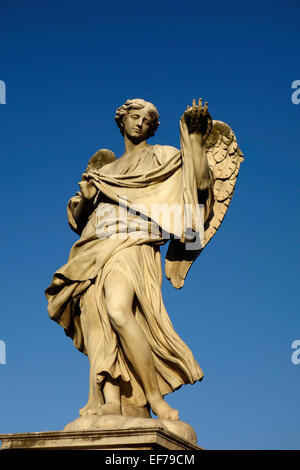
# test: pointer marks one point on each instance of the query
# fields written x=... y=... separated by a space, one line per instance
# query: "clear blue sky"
x=67 y=66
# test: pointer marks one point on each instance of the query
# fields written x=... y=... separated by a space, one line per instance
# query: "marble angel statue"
x=107 y=297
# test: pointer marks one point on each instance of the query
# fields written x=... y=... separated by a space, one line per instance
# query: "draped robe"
x=76 y=297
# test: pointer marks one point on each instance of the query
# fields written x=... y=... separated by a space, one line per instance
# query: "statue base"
x=109 y=432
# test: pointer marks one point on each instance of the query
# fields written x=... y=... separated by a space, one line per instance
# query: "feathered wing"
x=99 y=159
x=224 y=159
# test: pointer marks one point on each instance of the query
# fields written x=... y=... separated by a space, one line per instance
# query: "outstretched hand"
x=198 y=119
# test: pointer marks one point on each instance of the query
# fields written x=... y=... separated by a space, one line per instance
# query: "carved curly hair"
x=137 y=104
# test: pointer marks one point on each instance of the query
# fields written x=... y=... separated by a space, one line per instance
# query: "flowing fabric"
x=76 y=297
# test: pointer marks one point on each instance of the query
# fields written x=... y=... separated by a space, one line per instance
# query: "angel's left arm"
x=200 y=163
x=197 y=124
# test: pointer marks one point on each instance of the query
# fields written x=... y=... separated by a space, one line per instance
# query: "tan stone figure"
x=107 y=296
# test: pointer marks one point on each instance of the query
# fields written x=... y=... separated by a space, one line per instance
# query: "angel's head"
x=138 y=119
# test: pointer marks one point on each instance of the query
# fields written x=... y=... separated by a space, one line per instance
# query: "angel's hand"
x=198 y=119
x=87 y=190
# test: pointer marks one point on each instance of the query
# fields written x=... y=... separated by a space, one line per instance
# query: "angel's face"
x=137 y=124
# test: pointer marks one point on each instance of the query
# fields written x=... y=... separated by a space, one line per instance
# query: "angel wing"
x=96 y=162
x=224 y=159
x=99 y=159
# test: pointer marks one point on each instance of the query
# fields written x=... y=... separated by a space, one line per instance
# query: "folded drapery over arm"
x=199 y=179
x=200 y=163
x=198 y=189
x=78 y=211
x=84 y=202
x=224 y=158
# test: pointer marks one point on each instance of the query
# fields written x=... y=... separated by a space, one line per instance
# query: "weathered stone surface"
x=114 y=422
x=151 y=438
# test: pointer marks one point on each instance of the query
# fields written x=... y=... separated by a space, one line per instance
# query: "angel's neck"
x=132 y=147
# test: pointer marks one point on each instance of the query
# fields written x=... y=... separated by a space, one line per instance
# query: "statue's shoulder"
x=165 y=151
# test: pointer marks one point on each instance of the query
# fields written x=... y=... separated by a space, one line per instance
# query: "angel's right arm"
x=79 y=210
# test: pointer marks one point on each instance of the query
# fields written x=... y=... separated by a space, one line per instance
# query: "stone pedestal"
x=109 y=433
x=129 y=439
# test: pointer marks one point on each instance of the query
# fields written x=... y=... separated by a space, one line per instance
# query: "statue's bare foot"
x=85 y=410
x=110 y=409
x=94 y=401
x=162 y=410
x=91 y=405
x=107 y=409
